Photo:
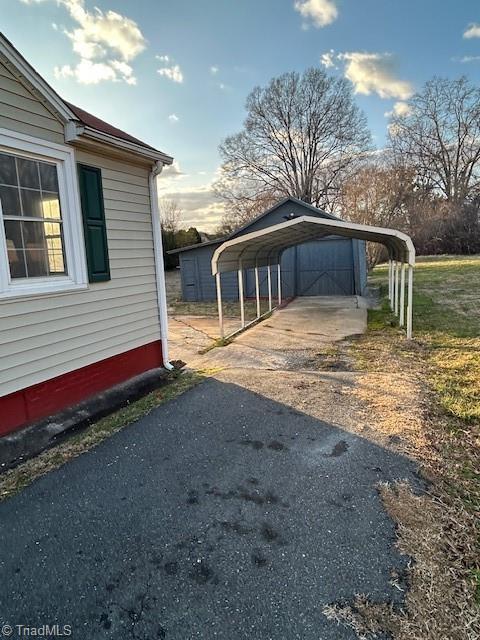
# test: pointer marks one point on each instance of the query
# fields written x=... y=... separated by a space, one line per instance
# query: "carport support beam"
x=401 y=321
x=410 y=302
x=240 y=294
x=394 y=291
x=397 y=273
x=269 y=279
x=219 y=303
x=279 y=284
x=257 y=292
x=390 y=282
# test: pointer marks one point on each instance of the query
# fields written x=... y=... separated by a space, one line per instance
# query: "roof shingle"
x=92 y=121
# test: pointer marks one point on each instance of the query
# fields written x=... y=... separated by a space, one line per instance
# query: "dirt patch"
x=394 y=401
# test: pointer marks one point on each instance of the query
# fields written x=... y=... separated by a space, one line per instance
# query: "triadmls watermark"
x=40 y=631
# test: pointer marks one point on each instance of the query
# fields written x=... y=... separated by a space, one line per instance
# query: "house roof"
x=237 y=232
x=78 y=122
x=92 y=121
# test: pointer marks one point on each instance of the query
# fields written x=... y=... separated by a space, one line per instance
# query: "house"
x=82 y=292
x=333 y=265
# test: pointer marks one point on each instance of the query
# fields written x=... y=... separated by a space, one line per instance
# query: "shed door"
x=189 y=279
x=325 y=268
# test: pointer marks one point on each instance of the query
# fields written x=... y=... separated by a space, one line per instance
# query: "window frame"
x=64 y=158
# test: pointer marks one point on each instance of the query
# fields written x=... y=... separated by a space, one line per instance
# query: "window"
x=32 y=217
x=40 y=218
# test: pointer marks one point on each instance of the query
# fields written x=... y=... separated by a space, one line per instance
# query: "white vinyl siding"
x=21 y=111
x=46 y=336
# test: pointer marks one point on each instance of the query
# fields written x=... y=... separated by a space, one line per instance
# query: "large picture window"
x=40 y=218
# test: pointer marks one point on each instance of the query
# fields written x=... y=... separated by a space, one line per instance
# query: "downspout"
x=159 y=266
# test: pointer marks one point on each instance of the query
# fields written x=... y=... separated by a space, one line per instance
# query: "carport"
x=264 y=248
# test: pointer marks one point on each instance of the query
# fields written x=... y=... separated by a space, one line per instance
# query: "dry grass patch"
x=438 y=605
x=397 y=404
x=425 y=395
x=392 y=388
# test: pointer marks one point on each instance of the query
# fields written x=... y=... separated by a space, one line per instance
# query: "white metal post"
x=390 y=284
x=219 y=303
x=390 y=280
x=392 y=305
x=279 y=285
x=240 y=294
x=397 y=273
x=257 y=292
x=392 y=291
x=401 y=321
x=269 y=279
x=410 y=302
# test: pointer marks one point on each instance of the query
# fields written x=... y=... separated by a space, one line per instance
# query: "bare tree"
x=301 y=134
x=379 y=194
x=170 y=215
x=439 y=136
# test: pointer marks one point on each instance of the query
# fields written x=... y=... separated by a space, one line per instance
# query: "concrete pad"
x=188 y=335
x=285 y=340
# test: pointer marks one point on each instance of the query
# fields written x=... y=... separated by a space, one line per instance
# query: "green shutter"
x=91 y=196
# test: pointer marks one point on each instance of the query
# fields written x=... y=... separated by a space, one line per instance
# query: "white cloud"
x=399 y=109
x=171 y=172
x=173 y=73
x=466 y=59
x=319 y=12
x=472 y=31
x=173 y=117
x=163 y=58
x=125 y=70
x=105 y=42
x=375 y=73
x=214 y=70
x=327 y=59
x=87 y=72
x=200 y=206
x=99 y=32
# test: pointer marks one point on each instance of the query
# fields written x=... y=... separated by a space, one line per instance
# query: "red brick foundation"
x=41 y=400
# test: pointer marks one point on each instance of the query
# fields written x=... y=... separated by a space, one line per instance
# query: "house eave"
x=76 y=132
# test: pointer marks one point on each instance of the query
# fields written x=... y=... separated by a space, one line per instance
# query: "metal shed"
x=330 y=265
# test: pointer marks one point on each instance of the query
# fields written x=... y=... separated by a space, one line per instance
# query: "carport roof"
x=264 y=247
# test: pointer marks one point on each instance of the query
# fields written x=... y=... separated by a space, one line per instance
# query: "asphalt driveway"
x=222 y=514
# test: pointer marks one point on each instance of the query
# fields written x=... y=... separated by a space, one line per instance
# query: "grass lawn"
x=446 y=322
x=446 y=326
x=441 y=367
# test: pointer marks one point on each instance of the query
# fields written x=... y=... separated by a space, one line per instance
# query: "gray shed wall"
x=330 y=266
